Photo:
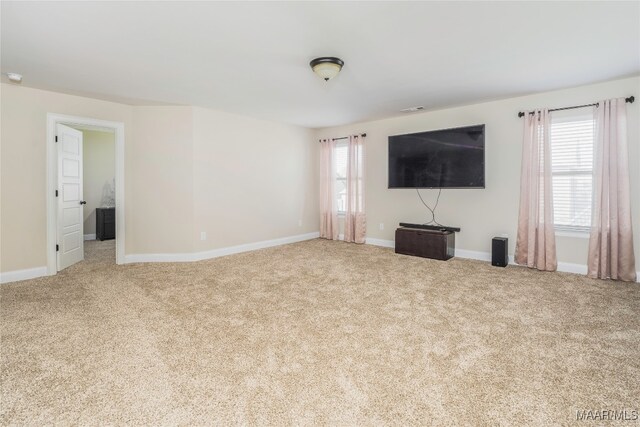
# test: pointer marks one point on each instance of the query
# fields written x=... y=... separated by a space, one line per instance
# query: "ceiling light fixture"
x=15 y=77
x=327 y=67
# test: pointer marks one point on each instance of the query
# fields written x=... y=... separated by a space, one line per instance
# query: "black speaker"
x=499 y=251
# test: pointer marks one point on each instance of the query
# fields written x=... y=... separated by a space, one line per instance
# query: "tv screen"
x=448 y=158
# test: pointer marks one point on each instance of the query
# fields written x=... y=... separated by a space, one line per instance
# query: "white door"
x=70 y=202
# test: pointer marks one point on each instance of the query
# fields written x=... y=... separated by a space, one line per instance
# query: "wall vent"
x=412 y=109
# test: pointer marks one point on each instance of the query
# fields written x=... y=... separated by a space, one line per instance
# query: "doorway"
x=66 y=197
x=97 y=204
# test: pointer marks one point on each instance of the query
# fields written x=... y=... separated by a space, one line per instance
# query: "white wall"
x=99 y=168
x=254 y=180
x=483 y=214
x=239 y=180
x=161 y=179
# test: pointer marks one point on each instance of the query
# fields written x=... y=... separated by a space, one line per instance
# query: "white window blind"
x=341 y=154
x=572 y=145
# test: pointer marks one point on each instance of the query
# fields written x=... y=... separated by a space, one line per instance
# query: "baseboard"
x=32 y=273
x=565 y=267
x=477 y=255
x=170 y=257
x=375 y=242
x=90 y=237
x=380 y=242
x=26 y=274
x=215 y=253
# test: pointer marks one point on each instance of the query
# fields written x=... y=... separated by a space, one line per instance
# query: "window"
x=572 y=145
x=341 y=153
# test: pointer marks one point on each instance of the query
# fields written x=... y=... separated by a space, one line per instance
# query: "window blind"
x=341 y=154
x=572 y=146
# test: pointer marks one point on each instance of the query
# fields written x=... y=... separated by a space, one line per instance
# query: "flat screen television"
x=447 y=158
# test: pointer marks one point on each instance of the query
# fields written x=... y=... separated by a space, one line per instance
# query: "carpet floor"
x=315 y=333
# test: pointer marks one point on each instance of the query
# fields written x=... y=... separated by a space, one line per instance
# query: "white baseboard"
x=477 y=255
x=90 y=237
x=215 y=253
x=380 y=242
x=26 y=274
x=32 y=273
x=168 y=257
x=568 y=267
x=565 y=267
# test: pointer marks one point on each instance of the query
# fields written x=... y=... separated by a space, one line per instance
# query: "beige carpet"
x=313 y=333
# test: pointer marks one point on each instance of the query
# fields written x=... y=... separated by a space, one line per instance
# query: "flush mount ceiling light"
x=327 y=67
x=15 y=77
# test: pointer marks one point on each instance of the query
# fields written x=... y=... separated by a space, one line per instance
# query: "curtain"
x=355 y=221
x=536 y=242
x=611 y=241
x=328 y=212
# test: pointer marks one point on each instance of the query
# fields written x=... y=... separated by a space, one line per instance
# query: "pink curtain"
x=355 y=221
x=611 y=242
x=328 y=212
x=536 y=242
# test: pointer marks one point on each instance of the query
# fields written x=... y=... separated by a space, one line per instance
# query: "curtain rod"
x=628 y=100
x=345 y=137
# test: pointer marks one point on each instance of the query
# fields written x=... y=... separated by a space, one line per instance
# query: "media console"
x=435 y=242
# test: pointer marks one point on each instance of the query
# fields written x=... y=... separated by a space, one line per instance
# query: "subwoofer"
x=500 y=251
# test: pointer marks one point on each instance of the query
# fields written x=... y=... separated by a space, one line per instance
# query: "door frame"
x=117 y=128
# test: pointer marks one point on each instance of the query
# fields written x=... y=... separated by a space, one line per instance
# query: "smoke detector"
x=14 y=77
x=412 y=109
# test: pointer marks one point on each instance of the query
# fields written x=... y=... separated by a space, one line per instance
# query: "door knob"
x=82 y=202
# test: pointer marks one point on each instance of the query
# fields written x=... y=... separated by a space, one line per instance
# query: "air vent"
x=412 y=109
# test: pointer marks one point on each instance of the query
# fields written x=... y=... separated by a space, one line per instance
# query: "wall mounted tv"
x=447 y=158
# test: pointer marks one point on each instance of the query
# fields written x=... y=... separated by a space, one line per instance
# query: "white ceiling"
x=252 y=58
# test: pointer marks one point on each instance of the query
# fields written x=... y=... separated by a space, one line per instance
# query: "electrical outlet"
x=299 y=223
x=203 y=235
x=381 y=226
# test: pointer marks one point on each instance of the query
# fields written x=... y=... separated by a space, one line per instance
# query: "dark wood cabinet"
x=433 y=244
x=105 y=223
